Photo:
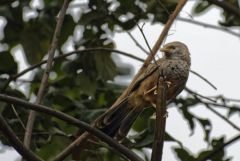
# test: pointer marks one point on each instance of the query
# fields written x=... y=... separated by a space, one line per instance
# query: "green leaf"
x=89 y=115
x=232 y=111
x=7 y=63
x=105 y=66
x=144 y=139
x=201 y=7
x=215 y=143
x=34 y=45
x=183 y=154
x=53 y=147
x=169 y=137
x=90 y=17
x=3 y=82
x=141 y=123
x=67 y=29
x=207 y=126
x=189 y=117
x=86 y=85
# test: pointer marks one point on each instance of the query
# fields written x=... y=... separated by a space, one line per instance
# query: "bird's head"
x=176 y=50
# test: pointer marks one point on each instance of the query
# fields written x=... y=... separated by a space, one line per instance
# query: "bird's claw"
x=168 y=83
x=155 y=92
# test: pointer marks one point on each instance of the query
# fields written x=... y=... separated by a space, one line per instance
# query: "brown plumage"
x=174 y=66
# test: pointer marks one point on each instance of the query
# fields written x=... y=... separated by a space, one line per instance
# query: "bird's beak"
x=166 y=51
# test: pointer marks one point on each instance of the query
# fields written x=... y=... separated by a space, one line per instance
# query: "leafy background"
x=83 y=85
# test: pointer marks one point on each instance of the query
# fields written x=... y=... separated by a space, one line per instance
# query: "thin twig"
x=79 y=143
x=144 y=37
x=71 y=120
x=146 y=41
x=15 y=142
x=136 y=42
x=163 y=6
x=217 y=150
x=44 y=81
x=223 y=29
x=226 y=6
x=18 y=117
x=199 y=95
x=222 y=98
x=223 y=106
x=160 y=122
x=222 y=117
x=200 y=76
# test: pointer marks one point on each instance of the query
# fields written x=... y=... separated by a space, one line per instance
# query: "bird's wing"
x=149 y=71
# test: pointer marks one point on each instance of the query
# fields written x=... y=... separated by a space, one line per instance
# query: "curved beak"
x=166 y=51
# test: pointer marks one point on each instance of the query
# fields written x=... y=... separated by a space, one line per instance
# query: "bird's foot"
x=150 y=90
x=168 y=83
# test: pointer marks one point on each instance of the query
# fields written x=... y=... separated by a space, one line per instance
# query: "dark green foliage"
x=7 y=64
x=186 y=155
x=228 y=20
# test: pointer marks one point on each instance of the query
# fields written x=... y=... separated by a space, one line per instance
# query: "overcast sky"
x=215 y=55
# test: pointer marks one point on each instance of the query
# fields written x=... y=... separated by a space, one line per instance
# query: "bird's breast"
x=175 y=74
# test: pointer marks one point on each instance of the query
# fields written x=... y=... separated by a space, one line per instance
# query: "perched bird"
x=174 y=67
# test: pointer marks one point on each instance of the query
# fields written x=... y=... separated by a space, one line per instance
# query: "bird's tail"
x=117 y=121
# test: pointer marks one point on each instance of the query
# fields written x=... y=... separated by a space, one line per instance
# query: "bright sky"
x=215 y=55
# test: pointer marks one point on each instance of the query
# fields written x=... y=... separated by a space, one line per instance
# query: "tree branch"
x=41 y=91
x=223 y=29
x=15 y=142
x=160 y=123
x=71 y=120
x=222 y=117
x=226 y=6
x=136 y=42
x=199 y=95
x=200 y=76
x=217 y=150
x=223 y=106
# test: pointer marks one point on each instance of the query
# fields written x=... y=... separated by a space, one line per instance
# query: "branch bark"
x=71 y=120
x=32 y=115
x=160 y=123
x=15 y=142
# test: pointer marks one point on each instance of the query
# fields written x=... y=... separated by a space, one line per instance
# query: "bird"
x=174 y=67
